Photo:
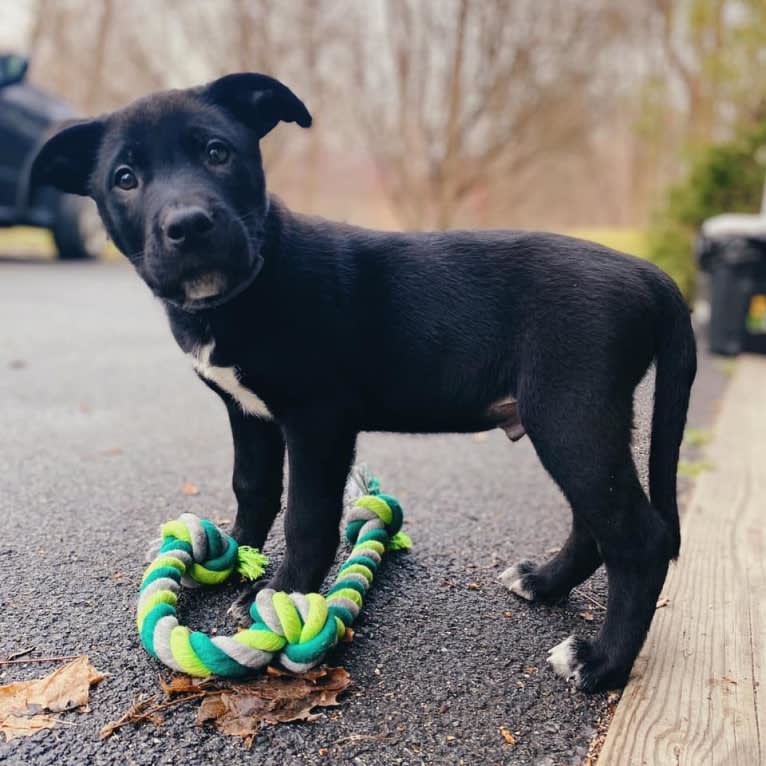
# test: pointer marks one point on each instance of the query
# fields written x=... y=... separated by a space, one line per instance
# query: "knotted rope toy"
x=296 y=628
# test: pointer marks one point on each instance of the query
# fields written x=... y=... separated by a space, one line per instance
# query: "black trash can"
x=737 y=268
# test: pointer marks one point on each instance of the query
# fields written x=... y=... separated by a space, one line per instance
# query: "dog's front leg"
x=259 y=454
x=320 y=451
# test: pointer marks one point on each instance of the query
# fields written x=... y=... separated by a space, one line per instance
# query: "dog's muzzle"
x=206 y=286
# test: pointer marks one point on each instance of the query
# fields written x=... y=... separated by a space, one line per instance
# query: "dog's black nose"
x=186 y=224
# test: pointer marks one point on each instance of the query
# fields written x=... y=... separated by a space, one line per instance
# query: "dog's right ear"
x=66 y=160
x=259 y=101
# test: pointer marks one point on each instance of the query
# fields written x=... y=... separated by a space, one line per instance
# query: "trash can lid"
x=735 y=225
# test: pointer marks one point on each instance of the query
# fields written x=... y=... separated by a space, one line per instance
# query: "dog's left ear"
x=66 y=159
x=260 y=102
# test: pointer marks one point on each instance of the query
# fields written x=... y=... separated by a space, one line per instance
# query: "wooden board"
x=698 y=694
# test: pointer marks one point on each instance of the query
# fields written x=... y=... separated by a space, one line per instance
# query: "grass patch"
x=726 y=366
x=626 y=240
x=25 y=240
x=691 y=469
x=20 y=241
x=697 y=437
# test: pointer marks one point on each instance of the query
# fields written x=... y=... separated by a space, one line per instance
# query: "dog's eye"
x=125 y=179
x=216 y=152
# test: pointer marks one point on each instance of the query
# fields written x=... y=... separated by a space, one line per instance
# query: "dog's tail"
x=676 y=356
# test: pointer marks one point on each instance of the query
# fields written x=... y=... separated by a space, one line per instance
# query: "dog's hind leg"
x=637 y=546
x=552 y=581
x=590 y=459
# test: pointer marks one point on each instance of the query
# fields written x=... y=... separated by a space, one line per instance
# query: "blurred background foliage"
x=626 y=122
x=726 y=177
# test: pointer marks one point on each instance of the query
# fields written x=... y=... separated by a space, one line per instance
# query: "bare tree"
x=99 y=53
x=467 y=93
x=470 y=111
x=709 y=49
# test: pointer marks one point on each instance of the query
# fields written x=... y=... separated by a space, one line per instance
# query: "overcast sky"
x=14 y=26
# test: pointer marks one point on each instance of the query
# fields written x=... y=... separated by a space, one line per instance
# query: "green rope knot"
x=305 y=623
x=297 y=628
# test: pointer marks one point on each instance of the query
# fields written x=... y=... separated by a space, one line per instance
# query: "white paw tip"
x=562 y=658
x=511 y=575
x=512 y=578
x=518 y=588
x=238 y=614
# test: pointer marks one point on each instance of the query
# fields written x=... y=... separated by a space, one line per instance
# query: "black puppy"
x=466 y=330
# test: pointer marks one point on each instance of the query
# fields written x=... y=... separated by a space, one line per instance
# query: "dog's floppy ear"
x=66 y=159
x=260 y=102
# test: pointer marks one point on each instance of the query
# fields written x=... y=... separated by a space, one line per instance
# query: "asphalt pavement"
x=102 y=421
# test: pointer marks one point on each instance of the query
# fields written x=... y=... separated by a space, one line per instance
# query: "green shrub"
x=725 y=178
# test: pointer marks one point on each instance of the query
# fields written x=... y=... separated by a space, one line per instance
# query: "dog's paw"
x=239 y=611
x=581 y=662
x=565 y=661
x=519 y=579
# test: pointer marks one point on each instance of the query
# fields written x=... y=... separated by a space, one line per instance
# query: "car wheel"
x=78 y=231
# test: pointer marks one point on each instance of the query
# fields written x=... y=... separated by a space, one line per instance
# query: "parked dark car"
x=27 y=115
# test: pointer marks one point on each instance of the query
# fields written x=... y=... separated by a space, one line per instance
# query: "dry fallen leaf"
x=185 y=685
x=14 y=726
x=240 y=708
x=23 y=705
x=147 y=710
x=507 y=736
x=189 y=489
x=594 y=750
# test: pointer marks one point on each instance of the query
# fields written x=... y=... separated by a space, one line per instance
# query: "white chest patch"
x=227 y=379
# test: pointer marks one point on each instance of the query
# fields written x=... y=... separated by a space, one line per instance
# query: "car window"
x=12 y=69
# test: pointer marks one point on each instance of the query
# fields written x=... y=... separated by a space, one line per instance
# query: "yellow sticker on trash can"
x=756 y=316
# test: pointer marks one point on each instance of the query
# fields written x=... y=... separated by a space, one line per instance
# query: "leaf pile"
x=25 y=706
x=241 y=708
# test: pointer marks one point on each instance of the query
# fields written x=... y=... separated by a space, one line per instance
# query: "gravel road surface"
x=102 y=422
